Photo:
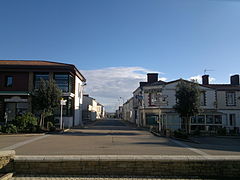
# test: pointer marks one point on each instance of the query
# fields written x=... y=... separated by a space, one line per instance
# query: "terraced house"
x=19 y=78
x=153 y=103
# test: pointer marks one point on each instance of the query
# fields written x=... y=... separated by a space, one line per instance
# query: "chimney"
x=152 y=77
x=205 y=79
x=235 y=79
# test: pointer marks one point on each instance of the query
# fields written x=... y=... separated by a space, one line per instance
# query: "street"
x=114 y=137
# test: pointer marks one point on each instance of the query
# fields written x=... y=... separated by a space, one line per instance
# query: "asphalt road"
x=114 y=137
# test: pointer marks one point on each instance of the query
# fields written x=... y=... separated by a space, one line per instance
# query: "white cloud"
x=107 y=85
x=198 y=78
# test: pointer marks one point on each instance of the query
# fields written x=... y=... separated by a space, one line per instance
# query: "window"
x=201 y=119
x=9 y=81
x=218 y=119
x=193 y=119
x=67 y=109
x=154 y=99
x=210 y=119
x=203 y=98
x=38 y=77
x=232 y=119
x=230 y=99
x=64 y=82
x=151 y=119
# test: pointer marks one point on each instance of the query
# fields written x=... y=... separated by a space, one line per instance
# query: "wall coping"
x=7 y=153
x=65 y=158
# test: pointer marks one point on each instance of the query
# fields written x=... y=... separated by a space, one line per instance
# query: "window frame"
x=233 y=103
x=6 y=81
x=34 y=82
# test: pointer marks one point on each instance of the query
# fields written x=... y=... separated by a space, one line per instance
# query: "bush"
x=180 y=134
x=9 y=128
x=26 y=122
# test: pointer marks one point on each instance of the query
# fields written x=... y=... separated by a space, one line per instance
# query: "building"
x=153 y=103
x=92 y=110
x=227 y=102
x=119 y=112
x=101 y=113
x=128 y=111
x=20 y=77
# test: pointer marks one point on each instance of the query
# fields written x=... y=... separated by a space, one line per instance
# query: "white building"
x=153 y=103
x=128 y=111
x=92 y=110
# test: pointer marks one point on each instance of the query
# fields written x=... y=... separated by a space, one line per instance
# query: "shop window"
x=151 y=119
x=210 y=119
x=15 y=109
x=218 y=119
x=193 y=120
x=201 y=119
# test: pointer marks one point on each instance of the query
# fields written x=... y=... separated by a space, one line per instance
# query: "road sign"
x=63 y=102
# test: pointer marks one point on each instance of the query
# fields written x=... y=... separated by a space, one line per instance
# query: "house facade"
x=20 y=78
x=228 y=102
x=92 y=110
x=153 y=103
x=128 y=113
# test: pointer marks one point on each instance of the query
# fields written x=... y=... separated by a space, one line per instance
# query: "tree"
x=188 y=101
x=45 y=99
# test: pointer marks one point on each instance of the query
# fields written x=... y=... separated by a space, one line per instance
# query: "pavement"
x=114 y=137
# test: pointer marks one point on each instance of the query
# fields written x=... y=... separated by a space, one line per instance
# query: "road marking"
x=190 y=148
x=17 y=145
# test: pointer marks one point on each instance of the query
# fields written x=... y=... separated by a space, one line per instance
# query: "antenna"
x=207 y=70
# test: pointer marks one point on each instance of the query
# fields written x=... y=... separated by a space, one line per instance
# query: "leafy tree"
x=188 y=101
x=45 y=99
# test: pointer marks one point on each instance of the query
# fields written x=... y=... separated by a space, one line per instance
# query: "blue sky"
x=179 y=38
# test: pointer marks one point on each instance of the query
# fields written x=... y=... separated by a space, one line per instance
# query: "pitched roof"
x=37 y=64
x=224 y=86
x=31 y=63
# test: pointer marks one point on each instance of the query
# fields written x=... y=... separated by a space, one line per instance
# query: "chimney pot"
x=205 y=79
x=234 y=79
x=152 y=77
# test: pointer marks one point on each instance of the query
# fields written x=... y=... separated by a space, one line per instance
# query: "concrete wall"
x=6 y=161
x=180 y=166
